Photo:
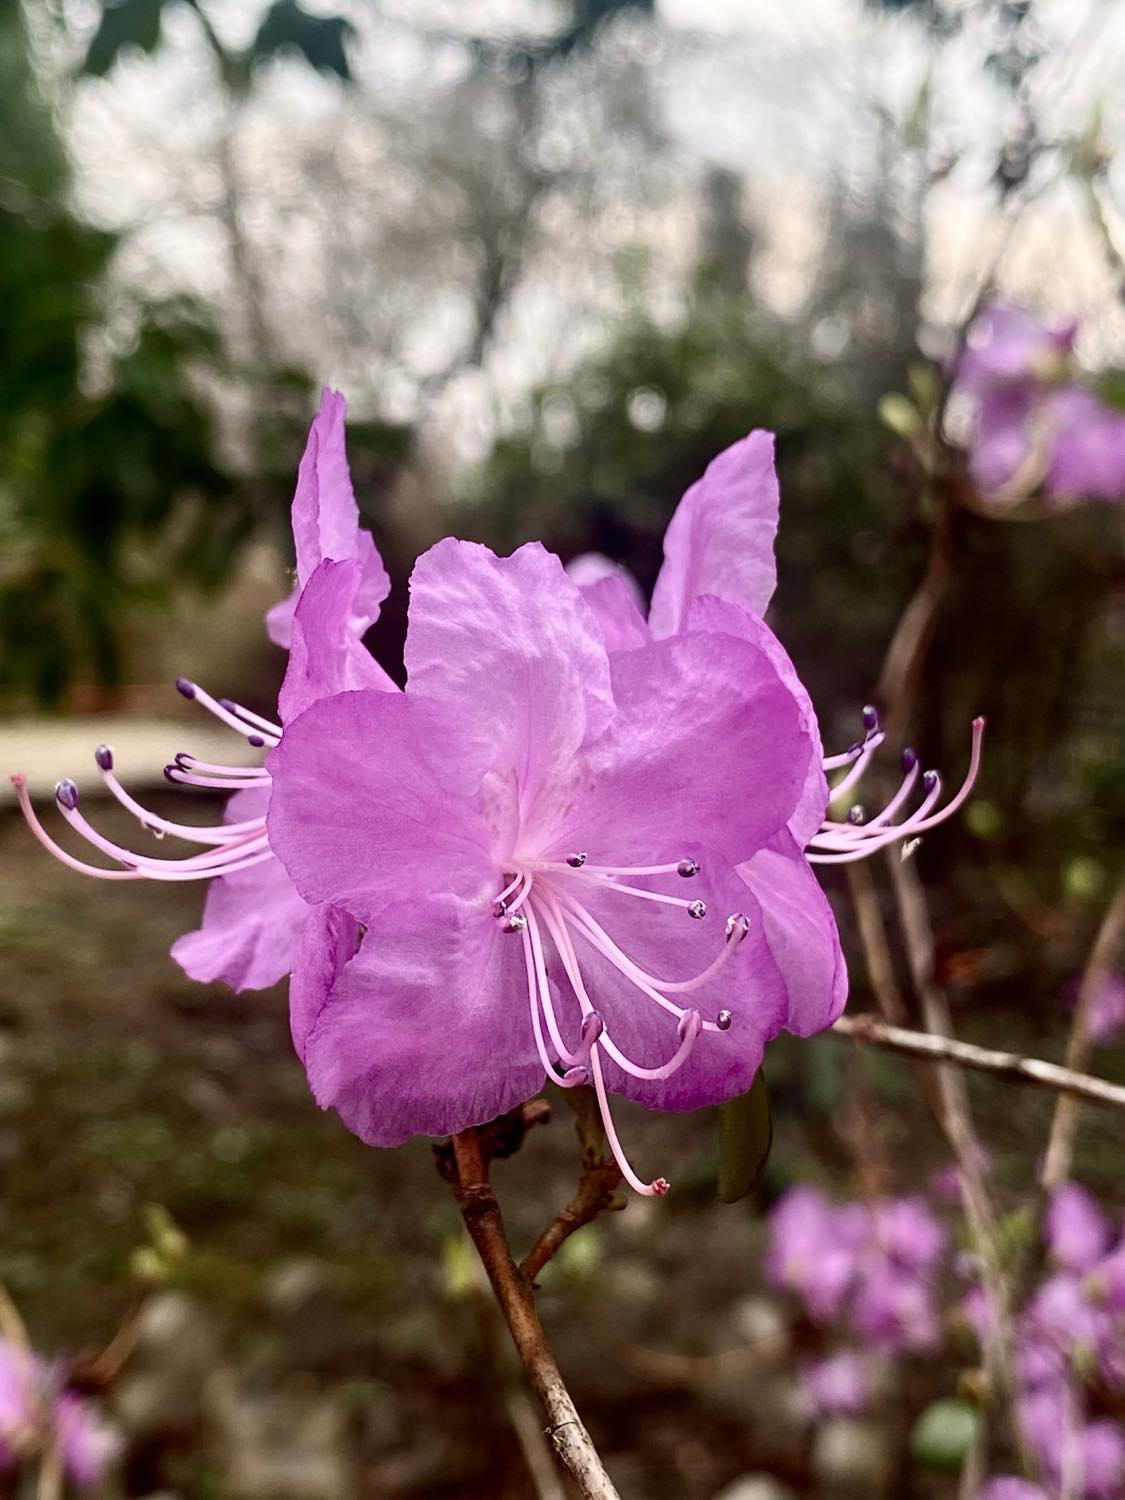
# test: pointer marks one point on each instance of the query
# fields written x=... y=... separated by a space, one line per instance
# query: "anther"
x=170 y=774
x=660 y=1186
x=185 y=687
x=576 y=1077
x=698 y=910
x=593 y=1024
x=930 y=779
x=723 y=1020
x=104 y=757
x=515 y=923
x=870 y=718
x=67 y=794
x=256 y=740
x=909 y=758
x=738 y=922
x=227 y=703
x=499 y=908
x=856 y=813
x=687 y=868
x=576 y=861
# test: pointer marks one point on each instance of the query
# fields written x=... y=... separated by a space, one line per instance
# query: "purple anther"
x=698 y=910
x=170 y=774
x=660 y=1186
x=593 y=1024
x=738 y=922
x=576 y=861
x=256 y=740
x=226 y=703
x=930 y=779
x=184 y=686
x=515 y=923
x=499 y=908
x=723 y=1020
x=104 y=757
x=66 y=794
x=909 y=758
x=856 y=813
x=690 y=1024
x=182 y=758
x=870 y=718
x=687 y=868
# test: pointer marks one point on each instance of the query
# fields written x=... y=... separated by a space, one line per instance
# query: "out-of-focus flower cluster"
x=869 y=1270
x=1105 y=1018
x=41 y=1422
x=872 y=1275
x=1036 y=426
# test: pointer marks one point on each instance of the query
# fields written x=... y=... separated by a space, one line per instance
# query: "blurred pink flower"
x=36 y=1415
x=1105 y=1017
x=841 y=1385
x=1076 y=1230
x=1035 y=427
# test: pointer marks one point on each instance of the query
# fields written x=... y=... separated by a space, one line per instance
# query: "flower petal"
x=615 y=598
x=326 y=656
x=251 y=920
x=801 y=932
x=512 y=643
x=367 y=809
x=427 y=1030
x=716 y=615
x=326 y=523
x=707 y=746
x=720 y=540
x=329 y=938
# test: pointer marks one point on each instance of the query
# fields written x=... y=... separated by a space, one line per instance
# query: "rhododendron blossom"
x=1035 y=426
x=37 y=1416
x=573 y=848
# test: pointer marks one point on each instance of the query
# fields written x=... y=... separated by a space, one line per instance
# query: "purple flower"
x=35 y=1415
x=841 y=1385
x=1076 y=1230
x=895 y=1309
x=512 y=833
x=1034 y=426
x=907 y=1233
x=1010 y=1487
x=814 y=1250
x=1105 y=1016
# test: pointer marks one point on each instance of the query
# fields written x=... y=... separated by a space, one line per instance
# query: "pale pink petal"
x=325 y=655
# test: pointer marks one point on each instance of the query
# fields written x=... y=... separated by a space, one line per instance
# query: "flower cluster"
x=38 y=1418
x=870 y=1270
x=513 y=870
x=1035 y=426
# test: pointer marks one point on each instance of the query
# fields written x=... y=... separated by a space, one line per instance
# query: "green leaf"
x=944 y=1433
x=124 y=24
x=318 y=39
x=745 y=1136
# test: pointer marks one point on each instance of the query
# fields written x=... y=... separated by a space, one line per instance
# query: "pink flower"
x=1034 y=426
x=1076 y=1230
x=511 y=834
x=841 y=1385
x=37 y=1416
x=814 y=1250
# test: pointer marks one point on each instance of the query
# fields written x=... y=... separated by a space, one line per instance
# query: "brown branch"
x=1010 y=1065
x=484 y=1222
x=1060 y=1143
x=596 y=1189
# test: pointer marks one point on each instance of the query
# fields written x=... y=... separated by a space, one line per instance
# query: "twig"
x=596 y=1188
x=1010 y=1065
x=481 y=1213
x=1060 y=1143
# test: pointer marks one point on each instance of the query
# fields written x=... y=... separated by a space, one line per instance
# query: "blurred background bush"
x=556 y=253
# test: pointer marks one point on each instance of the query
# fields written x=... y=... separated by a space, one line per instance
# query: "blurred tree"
x=108 y=487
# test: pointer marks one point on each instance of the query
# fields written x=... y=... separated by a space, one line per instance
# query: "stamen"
x=723 y=1020
x=659 y=1185
x=635 y=890
x=698 y=910
x=19 y=781
x=221 y=834
x=213 y=705
x=179 y=777
x=217 y=861
x=687 y=868
x=188 y=762
x=572 y=1077
x=267 y=726
x=576 y=861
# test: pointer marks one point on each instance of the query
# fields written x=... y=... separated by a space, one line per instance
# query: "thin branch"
x=596 y=1188
x=1060 y=1143
x=484 y=1222
x=1010 y=1065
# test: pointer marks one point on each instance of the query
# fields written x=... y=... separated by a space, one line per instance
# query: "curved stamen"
x=883 y=818
x=597 y=936
x=179 y=777
x=19 y=781
x=215 y=861
x=573 y=1077
x=188 y=832
x=682 y=867
x=870 y=745
x=691 y=907
x=571 y=1059
x=659 y=1185
x=193 y=691
x=188 y=762
x=267 y=726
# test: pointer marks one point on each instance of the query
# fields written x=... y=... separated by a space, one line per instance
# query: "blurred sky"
x=343 y=190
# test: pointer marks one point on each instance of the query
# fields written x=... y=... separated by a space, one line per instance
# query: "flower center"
x=547 y=898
